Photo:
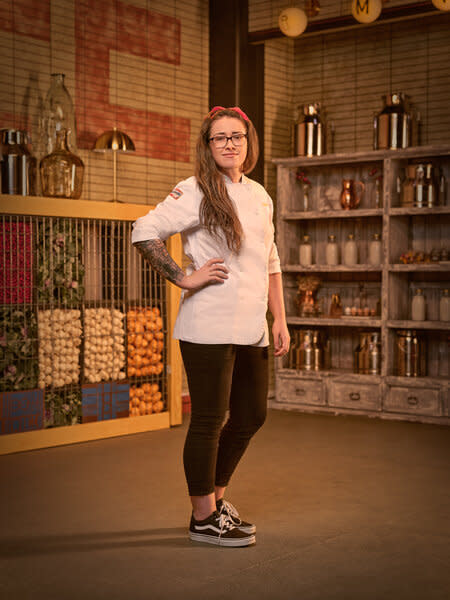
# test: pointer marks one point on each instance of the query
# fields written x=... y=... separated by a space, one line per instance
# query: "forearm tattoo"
x=155 y=252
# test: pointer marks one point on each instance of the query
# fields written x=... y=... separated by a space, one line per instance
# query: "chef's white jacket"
x=234 y=311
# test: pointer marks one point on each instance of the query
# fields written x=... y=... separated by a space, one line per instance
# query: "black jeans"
x=222 y=377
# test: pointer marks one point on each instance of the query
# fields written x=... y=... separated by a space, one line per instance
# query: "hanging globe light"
x=366 y=11
x=442 y=4
x=292 y=21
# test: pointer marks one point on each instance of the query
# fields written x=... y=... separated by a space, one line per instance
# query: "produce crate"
x=21 y=411
x=85 y=319
x=104 y=401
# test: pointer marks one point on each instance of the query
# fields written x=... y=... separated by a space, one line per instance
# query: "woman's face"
x=231 y=157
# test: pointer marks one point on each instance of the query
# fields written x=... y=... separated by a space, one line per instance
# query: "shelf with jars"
x=366 y=234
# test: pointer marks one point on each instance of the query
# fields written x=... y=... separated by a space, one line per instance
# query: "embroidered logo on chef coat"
x=176 y=193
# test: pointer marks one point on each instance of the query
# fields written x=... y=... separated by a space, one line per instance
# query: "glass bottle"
x=418 y=306
x=59 y=114
x=332 y=251
x=375 y=250
x=62 y=171
x=444 y=307
x=430 y=186
x=350 y=251
x=305 y=252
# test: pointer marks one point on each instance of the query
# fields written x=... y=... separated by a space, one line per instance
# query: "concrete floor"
x=346 y=508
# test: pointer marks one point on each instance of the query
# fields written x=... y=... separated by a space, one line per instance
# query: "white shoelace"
x=230 y=511
x=225 y=524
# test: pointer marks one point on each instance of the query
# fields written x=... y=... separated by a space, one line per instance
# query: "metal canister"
x=18 y=166
x=310 y=131
x=394 y=123
x=410 y=354
x=306 y=351
x=374 y=353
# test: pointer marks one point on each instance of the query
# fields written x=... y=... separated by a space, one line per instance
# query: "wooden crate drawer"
x=413 y=400
x=357 y=396
x=300 y=391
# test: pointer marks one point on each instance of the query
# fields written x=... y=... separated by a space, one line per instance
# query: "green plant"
x=60 y=274
x=18 y=349
x=62 y=407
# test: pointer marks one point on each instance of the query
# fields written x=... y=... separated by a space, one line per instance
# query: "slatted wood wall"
x=140 y=65
x=348 y=72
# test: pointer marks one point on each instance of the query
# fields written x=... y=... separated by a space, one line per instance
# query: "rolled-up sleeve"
x=178 y=212
x=274 y=259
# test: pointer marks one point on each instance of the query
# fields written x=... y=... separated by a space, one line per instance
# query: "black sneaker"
x=226 y=508
x=219 y=529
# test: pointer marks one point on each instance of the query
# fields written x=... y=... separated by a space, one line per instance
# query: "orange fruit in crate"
x=131 y=371
x=142 y=407
x=159 y=335
x=149 y=408
x=157 y=396
x=158 y=406
x=154 y=388
x=159 y=323
x=155 y=309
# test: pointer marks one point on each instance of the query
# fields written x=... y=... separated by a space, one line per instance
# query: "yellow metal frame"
x=86 y=209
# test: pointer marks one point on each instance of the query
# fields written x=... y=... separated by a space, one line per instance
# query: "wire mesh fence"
x=82 y=324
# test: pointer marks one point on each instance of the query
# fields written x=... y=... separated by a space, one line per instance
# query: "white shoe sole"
x=249 y=529
x=217 y=541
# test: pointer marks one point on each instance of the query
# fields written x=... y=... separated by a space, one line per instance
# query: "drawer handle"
x=412 y=401
x=355 y=396
x=300 y=391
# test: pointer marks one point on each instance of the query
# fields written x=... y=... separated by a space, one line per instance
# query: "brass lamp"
x=114 y=141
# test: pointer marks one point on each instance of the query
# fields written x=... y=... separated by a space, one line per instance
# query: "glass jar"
x=350 y=251
x=305 y=252
x=62 y=171
x=58 y=114
x=332 y=251
x=418 y=306
x=375 y=250
x=444 y=307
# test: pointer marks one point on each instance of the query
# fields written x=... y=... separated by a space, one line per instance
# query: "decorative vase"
x=59 y=114
x=349 y=197
x=62 y=171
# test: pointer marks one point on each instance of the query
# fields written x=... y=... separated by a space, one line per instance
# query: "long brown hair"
x=217 y=212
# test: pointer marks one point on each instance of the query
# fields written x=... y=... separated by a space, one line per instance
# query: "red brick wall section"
x=102 y=26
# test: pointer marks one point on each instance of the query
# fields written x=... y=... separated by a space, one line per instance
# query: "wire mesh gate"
x=83 y=324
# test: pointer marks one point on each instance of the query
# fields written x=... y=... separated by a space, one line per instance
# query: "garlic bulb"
x=59 y=338
x=104 y=346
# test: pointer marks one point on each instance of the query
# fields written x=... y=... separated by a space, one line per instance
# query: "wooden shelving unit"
x=389 y=286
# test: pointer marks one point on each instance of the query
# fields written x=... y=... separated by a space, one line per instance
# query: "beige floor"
x=346 y=508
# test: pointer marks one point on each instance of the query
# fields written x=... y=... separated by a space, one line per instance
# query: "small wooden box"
x=21 y=411
x=103 y=401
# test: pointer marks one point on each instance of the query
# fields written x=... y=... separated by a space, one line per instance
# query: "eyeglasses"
x=220 y=141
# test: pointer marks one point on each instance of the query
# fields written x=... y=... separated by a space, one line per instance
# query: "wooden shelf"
x=402 y=211
x=339 y=322
x=332 y=214
x=440 y=267
x=329 y=269
x=43 y=206
x=367 y=156
x=389 y=284
x=86 y=432
x=408 y=324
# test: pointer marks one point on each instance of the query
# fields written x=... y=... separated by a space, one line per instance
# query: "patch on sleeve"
x=176 y=193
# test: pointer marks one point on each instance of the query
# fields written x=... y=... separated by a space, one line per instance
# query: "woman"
x=225 y=220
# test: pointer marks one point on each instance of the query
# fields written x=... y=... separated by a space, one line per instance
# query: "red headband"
x=235 y=108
